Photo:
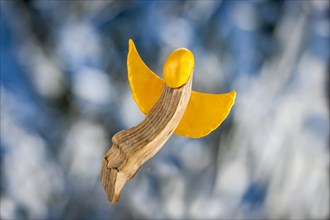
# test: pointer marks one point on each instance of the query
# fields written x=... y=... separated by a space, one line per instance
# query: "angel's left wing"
x=205 y=112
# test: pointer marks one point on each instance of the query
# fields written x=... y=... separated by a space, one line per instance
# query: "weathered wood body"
x=133 y=147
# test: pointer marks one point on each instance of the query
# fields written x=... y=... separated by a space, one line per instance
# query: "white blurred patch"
x=233 y=178
x=208 y=73
x=8 y=208
x=321 y=5
x=83 y=152
x=201 y=10
x=176 y=33
x=45 y=73
x=140 y=189
x=174 y=192
x=78 y=42
x=92 y=85
x=129 y=111
x=245 y=16
x=212 y=207
x=194 y=155
x=48 y=78
x=33 y=178
x=322 y=28
x=278 y=143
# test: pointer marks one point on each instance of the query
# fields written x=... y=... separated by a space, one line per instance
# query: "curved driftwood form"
x=133 y=147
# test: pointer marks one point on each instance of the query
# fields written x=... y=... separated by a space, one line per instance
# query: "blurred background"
x=64 y=93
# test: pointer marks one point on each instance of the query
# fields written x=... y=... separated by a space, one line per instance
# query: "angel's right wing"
x=146 y=86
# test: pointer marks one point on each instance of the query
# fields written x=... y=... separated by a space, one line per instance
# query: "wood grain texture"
x=133 y=147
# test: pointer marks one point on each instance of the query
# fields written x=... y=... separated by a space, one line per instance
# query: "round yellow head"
x=178 y=67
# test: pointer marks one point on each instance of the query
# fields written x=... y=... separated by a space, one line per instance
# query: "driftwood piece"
x=133 y=147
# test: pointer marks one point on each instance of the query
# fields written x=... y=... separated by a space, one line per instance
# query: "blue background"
x=64 y=93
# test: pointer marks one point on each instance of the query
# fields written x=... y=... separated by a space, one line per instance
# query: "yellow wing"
x=205 y=112
x=146 y=86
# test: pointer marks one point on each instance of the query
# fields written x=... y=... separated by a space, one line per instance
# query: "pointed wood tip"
x=112 y=181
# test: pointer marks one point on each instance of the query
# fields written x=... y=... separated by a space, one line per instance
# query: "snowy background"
x=64 y=93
